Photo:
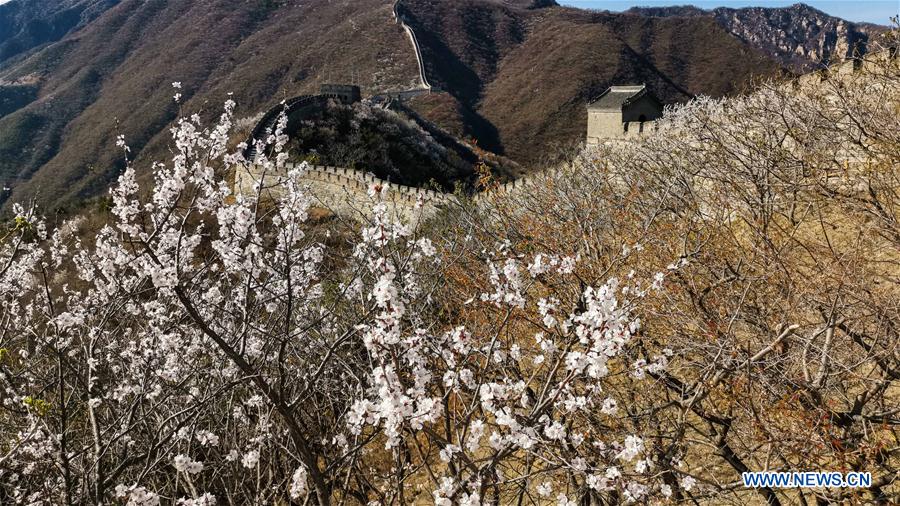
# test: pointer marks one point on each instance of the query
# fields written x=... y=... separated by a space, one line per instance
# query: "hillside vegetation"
x=25 y=26
x=114 y=76
x=640 y=326
x=779 y=212
x=388 y=144
x=518 y=79
x=521 y=79
x=516 y=75
x=800 y=36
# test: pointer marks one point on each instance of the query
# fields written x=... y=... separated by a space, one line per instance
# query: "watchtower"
x=621 y=112
x=347 y=93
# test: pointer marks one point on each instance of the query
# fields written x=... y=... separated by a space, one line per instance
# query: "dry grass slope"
x=114 y=76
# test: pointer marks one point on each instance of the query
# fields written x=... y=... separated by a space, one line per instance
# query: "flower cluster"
x=203 y=338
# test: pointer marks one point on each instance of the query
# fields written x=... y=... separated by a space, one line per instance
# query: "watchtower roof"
x=617 y=97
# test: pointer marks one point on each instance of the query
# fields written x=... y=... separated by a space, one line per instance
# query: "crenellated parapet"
x=523 y=185
x=346 y=191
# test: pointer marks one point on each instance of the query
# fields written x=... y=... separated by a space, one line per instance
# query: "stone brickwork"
x=346 y=192
x=622 y=112
x=602 y=129
x=347 y=93
x=524 y=184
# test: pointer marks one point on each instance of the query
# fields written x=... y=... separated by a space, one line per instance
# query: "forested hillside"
x=513 y=76
x=519 y=79
x=114 y=76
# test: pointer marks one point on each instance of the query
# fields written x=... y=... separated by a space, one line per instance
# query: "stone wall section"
x=345 y=191
x=398 y=16
x=604 y=126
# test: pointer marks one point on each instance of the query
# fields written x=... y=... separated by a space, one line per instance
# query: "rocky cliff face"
x=799 y=36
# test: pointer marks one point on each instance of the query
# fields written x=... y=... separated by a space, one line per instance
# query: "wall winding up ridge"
x=270 y=118
x=290 y=107
x=423 y=79
x=342 y=190
x=346 y=191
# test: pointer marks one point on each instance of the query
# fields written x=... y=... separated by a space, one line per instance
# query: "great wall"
x=398 y=17
x=342 y=190
x=346 y=94
x=346 y=191
x=270 y=118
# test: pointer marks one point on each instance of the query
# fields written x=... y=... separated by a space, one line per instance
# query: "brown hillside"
x=119 y=70
x=26 y=25
x=520 y=78
x=516 y=74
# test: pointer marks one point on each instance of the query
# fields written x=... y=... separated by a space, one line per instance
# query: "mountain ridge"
x=799 y=35
x=114 y=77
x=27 y=25
x=515 y=74
x=518 y=80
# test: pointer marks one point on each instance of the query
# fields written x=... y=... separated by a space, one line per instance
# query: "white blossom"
x=250 y=459
x=298 y=484
x=185 y=464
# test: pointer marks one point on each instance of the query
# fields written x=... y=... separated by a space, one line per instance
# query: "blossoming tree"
x=204 y=346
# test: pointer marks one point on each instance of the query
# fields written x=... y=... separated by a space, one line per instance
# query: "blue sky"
x=873 y=11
